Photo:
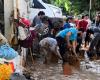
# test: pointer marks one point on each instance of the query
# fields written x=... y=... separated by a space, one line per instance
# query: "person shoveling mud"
x=67 y=39
x=49 y=48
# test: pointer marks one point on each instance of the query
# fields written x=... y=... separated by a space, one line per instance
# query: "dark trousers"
x=62 y=46
x=95 y=43
x=79 y=41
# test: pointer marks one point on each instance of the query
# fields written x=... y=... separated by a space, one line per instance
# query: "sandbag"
x=3 y=40
x=7 y=52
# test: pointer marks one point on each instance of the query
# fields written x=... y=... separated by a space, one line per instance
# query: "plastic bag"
x=7 y=52
x=5 y=71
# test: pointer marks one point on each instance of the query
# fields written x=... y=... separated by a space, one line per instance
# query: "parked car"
x=50 y=10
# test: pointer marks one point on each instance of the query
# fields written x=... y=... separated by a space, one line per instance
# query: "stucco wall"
x=8 y=7
x=23 y=8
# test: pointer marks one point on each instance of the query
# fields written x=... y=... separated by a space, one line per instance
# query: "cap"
x=25 y=22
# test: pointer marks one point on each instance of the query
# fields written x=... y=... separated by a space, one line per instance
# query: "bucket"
x=67 y=69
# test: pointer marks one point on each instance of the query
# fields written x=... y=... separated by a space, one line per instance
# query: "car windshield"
x=46 y=1
x=38 y=5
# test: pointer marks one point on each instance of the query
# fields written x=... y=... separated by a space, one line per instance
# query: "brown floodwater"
x=40 y=71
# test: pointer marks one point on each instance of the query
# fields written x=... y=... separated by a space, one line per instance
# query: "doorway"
x=2 y=16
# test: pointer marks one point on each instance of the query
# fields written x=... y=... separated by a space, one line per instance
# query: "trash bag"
x=5 y=71
x=7 y=52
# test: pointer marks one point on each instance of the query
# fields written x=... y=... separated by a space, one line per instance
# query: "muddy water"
x=88 y=71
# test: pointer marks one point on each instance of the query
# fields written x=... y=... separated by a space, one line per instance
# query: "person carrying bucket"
x=67 y=39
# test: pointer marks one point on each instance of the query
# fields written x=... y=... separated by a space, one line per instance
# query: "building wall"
x=23 y=8
x=8 y=7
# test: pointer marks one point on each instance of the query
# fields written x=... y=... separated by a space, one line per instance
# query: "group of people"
x=57 y=36
x=64 y=33
x=60 y=37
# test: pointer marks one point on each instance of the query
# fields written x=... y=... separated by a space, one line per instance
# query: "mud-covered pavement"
x=40 y=71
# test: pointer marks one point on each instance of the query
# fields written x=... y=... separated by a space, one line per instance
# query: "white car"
x=50 y=10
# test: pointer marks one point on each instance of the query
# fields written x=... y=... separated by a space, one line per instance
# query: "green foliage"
x=76 y=6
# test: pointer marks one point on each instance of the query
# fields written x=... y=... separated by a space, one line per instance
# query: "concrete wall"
x=8 y=7
x=23 y=8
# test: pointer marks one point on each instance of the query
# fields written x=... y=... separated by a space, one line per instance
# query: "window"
x=38 y=5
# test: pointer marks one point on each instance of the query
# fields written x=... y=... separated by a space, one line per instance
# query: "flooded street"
x=88 y=71
x=49 y=40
